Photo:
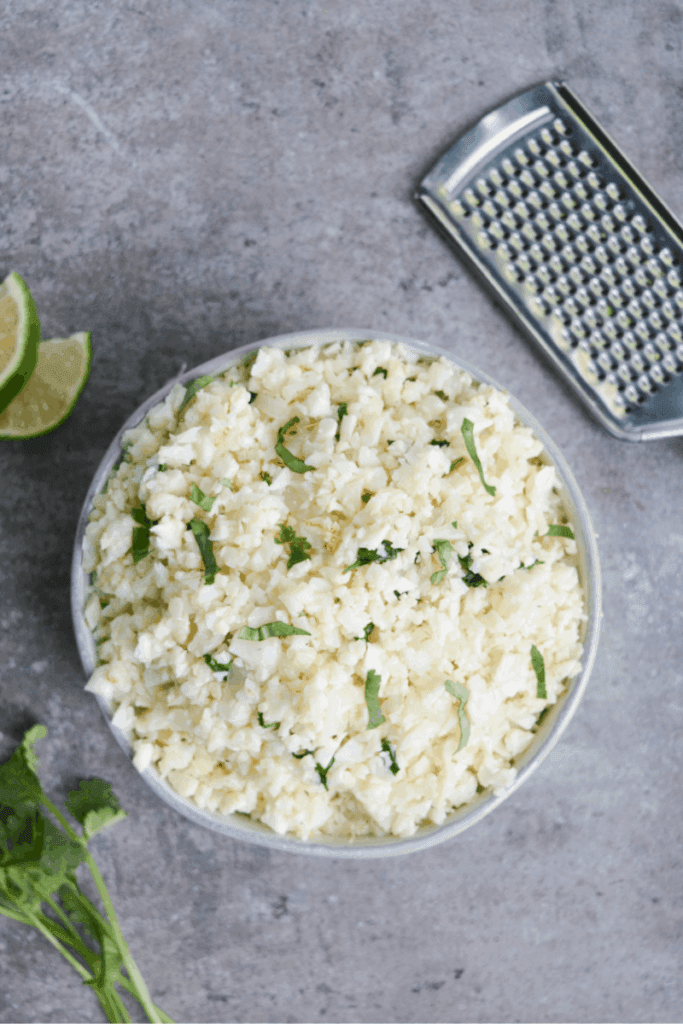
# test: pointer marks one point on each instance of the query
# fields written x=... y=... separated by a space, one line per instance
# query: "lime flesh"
x=50 y=394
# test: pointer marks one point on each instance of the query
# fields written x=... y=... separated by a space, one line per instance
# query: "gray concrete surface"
x=182 y=177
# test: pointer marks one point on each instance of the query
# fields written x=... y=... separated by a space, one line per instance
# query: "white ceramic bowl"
x=549 y=732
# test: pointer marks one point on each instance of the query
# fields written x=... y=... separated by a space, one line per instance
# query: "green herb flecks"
x=191 y=390
x=253 y=396
x=468 y=435
x=38 y=861
x=538 y=666
x=470 y=579
x=303 y=754
x=442 y=395
x=560 y=531
x=201 y=534
x=204 y=501
x=366 y=632
x=380 y=369
x=393 y=767
x=455 y=464
x=270 y=629
x=367 y=555
x=444 y=551
x=141 y=532
x=365 y=497
x=461 y=693
x=341 y=413
x=291 y=461
x=298 y=546
x=322 y=772
x=226 y=483
x=271 y=725
x=162 y=467
x=440 y=444
x=537 y=562
x=267 y=477
x=217 y=666
x=372 y=681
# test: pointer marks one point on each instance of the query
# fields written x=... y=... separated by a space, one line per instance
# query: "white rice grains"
x=332 y=490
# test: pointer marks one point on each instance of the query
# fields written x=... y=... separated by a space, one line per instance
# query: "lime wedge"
x=51 y=393
x=19 y=337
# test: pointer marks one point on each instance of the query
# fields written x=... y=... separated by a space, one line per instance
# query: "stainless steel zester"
x=577 y=248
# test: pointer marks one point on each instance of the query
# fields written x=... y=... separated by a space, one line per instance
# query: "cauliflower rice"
x=286 y=734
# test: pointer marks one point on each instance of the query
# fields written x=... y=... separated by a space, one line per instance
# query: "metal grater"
x=577 y=246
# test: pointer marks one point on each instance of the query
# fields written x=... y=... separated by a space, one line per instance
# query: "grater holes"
x=674 y=278
x=501 y=197
x=586 y=159
x=633 y=256
x=541 y=168
x=508 y=166
x=496 y=178
x=534 y=147
x=580 y=190
x=619 y=211
x=593 y=181
x=560 y=127
x=521 y=157
x=561 y=180
x=639 y=224
x=554 y=159
x=612 y=191
x=472 y=200
x=482 y=186
x=575 y=170
x=647 y=246
x=666 y=257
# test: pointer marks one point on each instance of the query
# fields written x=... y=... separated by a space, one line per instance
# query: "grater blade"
x=578 y=249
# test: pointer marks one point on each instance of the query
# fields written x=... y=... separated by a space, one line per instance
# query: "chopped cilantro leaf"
x=380 y=369
x=270 y=629
x=454 y=524
x=560 y=531
x=291 y=461
x=341 y=413
x=386 y=747
x=367 y=555
x=199 y=498
x=470 y=579
x=298 y=546
x=537 y=562
x=226 y=483
x=440 y=444
x=254 y=396
x=322 y=772
x=468 y=435
x=375 y=716
x=272 y=725
x=461 y=693
x=455 y=464
x=191 y=390
x=365 y=497
x=366 y=632
x=162 y=467
x=444 y=551
x=141 y=532
x=303 y=754
x=267 y=477
x=217 y=666
x=442 y=395
x=542 y=715
x=201 y=534
x=538 y=666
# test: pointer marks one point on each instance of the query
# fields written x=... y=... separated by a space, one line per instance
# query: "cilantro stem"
x=37 y=923
x=141 y=993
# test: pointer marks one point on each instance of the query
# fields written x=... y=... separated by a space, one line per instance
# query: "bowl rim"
x=548 y=734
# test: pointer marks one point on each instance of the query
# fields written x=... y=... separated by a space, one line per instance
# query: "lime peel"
x=19 y=338
x=49 y=396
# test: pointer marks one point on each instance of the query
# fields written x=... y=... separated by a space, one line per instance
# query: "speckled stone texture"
x=183 y=177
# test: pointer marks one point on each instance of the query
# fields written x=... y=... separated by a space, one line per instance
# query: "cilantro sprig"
x=291 y=461
x=468 y=436
x=38 y=861
x=367 y=630
x=217 y=666
x=367 y=555
x=298 y=546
